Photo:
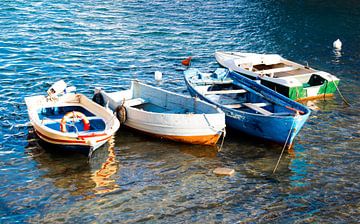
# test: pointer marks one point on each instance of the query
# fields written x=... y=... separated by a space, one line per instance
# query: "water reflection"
x=74 y=172
x=103 y=177
x=200 y=151
x=337 y=56
x=298 y=166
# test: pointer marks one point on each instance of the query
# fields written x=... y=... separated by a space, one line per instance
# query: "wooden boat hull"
x=169 y=115
x=275 y=127
x=45 y=117
x=300 y=83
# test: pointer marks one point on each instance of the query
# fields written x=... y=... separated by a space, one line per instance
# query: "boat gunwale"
x=215 y=109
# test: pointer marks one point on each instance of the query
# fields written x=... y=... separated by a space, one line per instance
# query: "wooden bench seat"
x=230 y=91
x=276 y=70
x=135 y=102
x=239 y=105
x=257 y=109
x=211 y=82
x=233 y=106
x=46 y=120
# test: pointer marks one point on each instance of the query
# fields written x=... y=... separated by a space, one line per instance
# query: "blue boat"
x=249 y=106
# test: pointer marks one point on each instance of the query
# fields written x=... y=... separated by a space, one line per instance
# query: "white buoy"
x=158 y=76
x=337 y=44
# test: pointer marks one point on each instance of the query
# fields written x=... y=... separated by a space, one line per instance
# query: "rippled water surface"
x=138 y=178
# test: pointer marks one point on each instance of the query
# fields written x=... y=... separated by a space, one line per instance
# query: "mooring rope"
x=287 y=139
x=223 y=131
x=223 y=138
x=343 y=98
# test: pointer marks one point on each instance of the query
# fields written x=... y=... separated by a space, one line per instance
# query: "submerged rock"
x=224 y=171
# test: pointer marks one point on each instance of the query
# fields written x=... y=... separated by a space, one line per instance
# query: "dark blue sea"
x=138 y=179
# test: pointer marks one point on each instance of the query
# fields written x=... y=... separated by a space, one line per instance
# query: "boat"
x=70 y=122
x=249 y=106
x=293 y=80
x=165 y=114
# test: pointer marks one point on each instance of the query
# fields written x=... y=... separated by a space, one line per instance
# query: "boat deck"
x=281 y=70
x=234 y=97
x=298 y=71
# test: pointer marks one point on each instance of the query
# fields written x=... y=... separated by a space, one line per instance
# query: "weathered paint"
x=322 y=96
x=328 y=87
x=277 y=128
x=168 y=115
x=199 y=140
x=297 y=93
x=326 y=90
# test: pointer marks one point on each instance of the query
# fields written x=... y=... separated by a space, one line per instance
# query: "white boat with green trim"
x=296 y=81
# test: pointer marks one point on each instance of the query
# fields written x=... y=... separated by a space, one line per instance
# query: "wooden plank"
x=258 y=109
x=211 y=82
x=261 y=104
x=233 y=106
x=135 y=102
x=47 y=120
x=276 y=70
x=230 y=91
x=238 y=105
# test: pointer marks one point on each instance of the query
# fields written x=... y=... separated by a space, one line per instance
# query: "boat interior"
x=305 y=75
x=150 y=107
x=280 y=70
x=158 y=101
x=51 y=118
x=242 y=98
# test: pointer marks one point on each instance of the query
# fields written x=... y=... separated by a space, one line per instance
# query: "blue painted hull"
x=272 y=129
x=58 y=148
x=277 y=128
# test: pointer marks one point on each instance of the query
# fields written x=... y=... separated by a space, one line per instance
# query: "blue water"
x=136 y=178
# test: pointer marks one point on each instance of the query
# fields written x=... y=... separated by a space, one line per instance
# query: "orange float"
x=74 y=115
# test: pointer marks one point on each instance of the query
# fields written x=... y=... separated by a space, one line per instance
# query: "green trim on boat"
x=328 y=87
x=301 y=92
x=297 y=92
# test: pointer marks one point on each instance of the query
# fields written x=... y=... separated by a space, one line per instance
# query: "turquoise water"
x=136 y=178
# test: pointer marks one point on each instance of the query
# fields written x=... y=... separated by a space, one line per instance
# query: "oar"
x=266 y=98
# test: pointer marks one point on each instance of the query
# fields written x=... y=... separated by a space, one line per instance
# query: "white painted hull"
x=291 y=79
x=243 y=62
x=180 y=118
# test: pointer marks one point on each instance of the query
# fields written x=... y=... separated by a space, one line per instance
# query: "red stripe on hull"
x=59 y=140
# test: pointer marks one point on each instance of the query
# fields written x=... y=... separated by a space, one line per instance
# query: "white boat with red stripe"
x=70 y=122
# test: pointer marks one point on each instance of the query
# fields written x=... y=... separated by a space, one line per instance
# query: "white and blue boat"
x=70 y=122
x=165 y=114
x=249 y=106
